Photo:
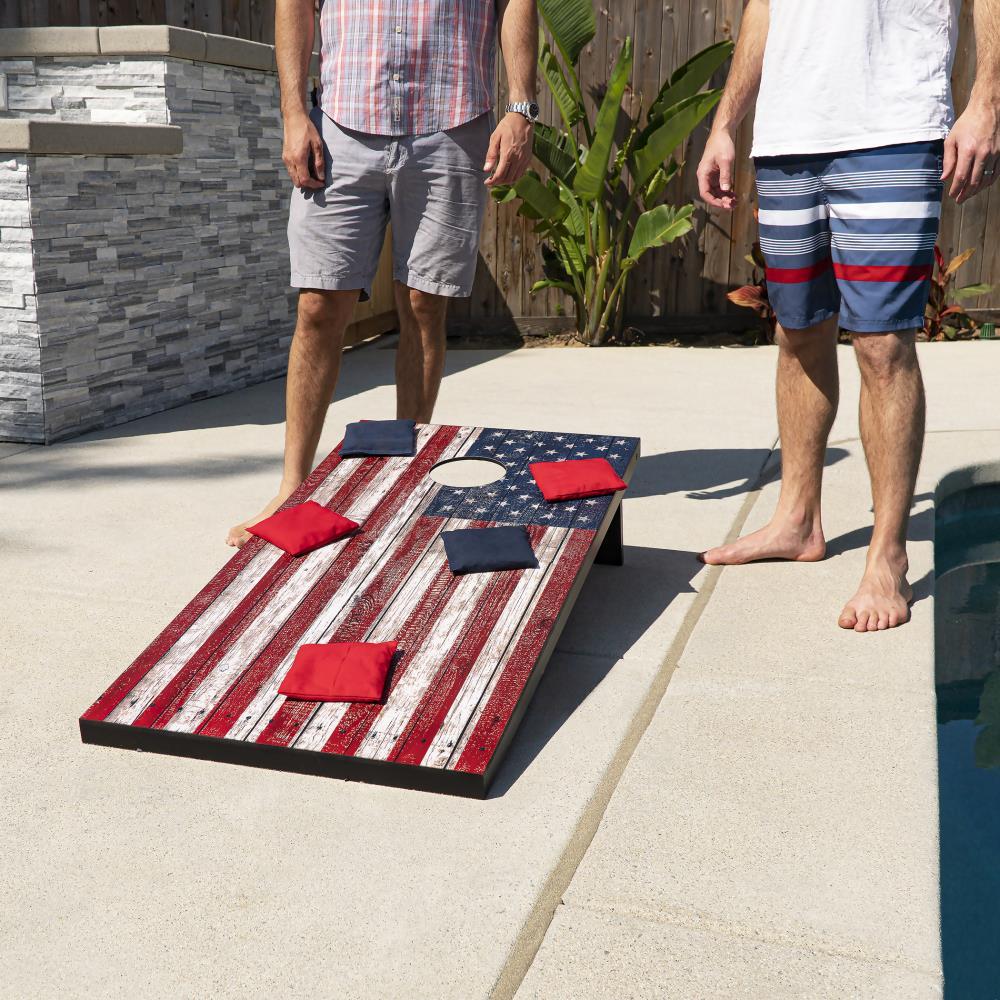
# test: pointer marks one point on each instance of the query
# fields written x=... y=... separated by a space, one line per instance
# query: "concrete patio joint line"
x=529 y=940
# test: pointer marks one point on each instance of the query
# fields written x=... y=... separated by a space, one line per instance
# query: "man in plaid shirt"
x=404 y=133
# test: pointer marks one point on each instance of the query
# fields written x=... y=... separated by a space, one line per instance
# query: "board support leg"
x=612 y=551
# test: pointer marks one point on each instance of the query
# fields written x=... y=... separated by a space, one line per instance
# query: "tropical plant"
x=754 y=296
x=946 y=318
x=599 y=207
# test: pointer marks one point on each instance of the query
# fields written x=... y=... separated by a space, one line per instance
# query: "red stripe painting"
x=469 y=645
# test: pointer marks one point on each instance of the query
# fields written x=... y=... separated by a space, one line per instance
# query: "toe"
x=861 y=623
x=873 y=621
x=883 y=620
x=848 y=617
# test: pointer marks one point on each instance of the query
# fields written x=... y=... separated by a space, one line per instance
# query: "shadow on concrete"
x=710 y=473
x=362 y=371
x=618 y=605
x=259 y=405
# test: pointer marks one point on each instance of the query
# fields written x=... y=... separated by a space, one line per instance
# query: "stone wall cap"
x=22 y=42
x=143 y=39
x=153 y=39
x=29 y=135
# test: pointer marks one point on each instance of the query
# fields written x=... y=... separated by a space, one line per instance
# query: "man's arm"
x=302 y=151
x=972 y=149
x=715 y=172
x=510 y=145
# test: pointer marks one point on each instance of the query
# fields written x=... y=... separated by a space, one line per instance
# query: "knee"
x=882 y=356
x=428 y=309
x=320 y=310
x=805 y=345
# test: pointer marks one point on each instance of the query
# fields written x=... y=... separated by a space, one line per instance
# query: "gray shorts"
x=430 y=187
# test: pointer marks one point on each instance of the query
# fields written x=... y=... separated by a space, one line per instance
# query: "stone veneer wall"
x=88 y=88
x=21 y=410
x=132 y=283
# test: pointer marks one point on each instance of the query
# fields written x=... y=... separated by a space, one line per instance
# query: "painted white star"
x=497 y=434
x=492 y=493
x=501 y=454
x=503 y=503
x=480 y=510
x=590 y=503
x=581 y=453
x=588 y=440
x=560 y=438
x=521 y=449
x=614 y=456
x=508 y=441
x=572 y=508
x=448 y=507
x=524 y=496
x=547 y=517
x=602 y=447
x=551 y=451
x=489 y=447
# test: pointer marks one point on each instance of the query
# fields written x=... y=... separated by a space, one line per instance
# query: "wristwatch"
x=526 y=108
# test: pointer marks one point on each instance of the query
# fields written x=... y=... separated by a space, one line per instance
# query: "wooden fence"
x=687 y=279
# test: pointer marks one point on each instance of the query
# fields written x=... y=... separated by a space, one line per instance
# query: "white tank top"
x=853 y=74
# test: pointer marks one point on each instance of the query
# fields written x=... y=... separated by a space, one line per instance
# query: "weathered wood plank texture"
x=688 y=277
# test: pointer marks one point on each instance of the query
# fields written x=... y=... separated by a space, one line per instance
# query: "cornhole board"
x=472 y=648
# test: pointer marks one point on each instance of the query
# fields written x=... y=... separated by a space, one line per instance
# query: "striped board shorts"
x=851 y=233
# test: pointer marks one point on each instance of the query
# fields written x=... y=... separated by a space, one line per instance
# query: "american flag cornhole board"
x=471 y=648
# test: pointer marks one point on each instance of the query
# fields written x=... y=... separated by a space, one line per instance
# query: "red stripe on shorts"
x=865 y=272
x=794 y=275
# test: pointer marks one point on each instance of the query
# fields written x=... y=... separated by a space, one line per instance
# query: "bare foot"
x=883 y=597
x=238 y=535
x=798 y=542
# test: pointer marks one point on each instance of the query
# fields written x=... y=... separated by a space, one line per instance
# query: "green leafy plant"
x=599 y=207
x=754 y=296
x=946 y=318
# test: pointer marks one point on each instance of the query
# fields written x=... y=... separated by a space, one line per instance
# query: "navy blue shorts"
x=851 y=233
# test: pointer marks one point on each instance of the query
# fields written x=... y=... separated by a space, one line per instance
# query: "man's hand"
x=302 y=152
x=715 y=172
x=972 y=150
x=510 y=150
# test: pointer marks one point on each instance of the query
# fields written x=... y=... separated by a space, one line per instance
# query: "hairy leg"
x=313 y=367
x=892 y=432
x=421 y=351
x=807 y=395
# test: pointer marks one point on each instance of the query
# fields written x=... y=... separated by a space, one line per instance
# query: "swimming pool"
x=967 y=668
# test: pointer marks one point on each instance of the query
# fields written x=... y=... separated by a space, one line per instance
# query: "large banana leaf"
x=550 y=150
x=573 y=220
x=571 y=24
x=658 y=226
x=675 y=128
x=539 y=201
x=566 y=102
x=589 y=180
x=690 y=78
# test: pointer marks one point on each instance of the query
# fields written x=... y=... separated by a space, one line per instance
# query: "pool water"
x=967 y=661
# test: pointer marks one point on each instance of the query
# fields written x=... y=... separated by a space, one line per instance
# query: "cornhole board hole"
x=472 y=648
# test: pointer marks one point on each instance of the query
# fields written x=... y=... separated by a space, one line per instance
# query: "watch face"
x=533 y=110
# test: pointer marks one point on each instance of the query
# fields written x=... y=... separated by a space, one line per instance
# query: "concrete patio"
x=716 y=792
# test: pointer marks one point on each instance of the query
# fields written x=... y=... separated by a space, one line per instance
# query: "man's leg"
x=807 y=394
x=313 y=366
x=421 y=351
x=892 y=431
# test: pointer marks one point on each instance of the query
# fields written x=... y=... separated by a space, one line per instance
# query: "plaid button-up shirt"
x=406 y=67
